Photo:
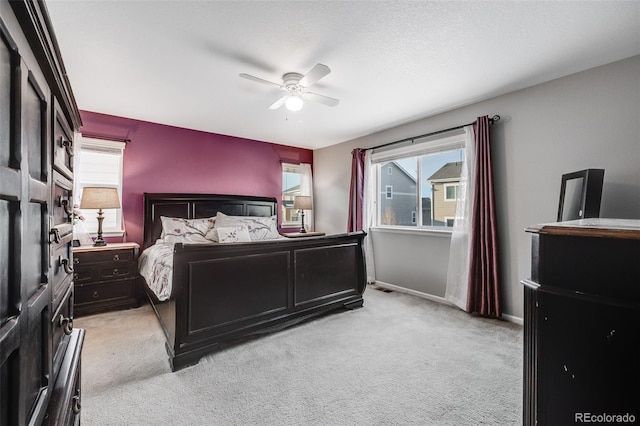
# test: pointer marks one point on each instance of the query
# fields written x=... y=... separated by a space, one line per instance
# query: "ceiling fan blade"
x=321 y=99
x=316 y=73
x=277 y=104
x=260 y=80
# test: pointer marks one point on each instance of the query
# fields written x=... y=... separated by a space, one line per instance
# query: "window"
x=418 y=183
x=100 y=164
x=290 y=188
x=451 y=191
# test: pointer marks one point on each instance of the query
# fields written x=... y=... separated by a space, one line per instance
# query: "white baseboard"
x=513 y=319
x=413 y=292
x=438 y=299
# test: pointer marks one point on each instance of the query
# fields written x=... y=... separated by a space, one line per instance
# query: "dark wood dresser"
x=105 y=278
x=582 y=323
x=40 y=350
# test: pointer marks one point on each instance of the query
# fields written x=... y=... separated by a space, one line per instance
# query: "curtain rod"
x=437 y=132
x=105 y=137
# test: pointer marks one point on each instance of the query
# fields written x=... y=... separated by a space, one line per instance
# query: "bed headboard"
x=194 y=206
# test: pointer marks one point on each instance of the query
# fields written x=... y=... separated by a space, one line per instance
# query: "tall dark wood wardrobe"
x=39 y=348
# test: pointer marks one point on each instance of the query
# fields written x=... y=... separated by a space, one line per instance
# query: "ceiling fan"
x=296 y=85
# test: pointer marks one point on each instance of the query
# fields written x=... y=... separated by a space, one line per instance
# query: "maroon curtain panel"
x=484 y=287
x=356 y=191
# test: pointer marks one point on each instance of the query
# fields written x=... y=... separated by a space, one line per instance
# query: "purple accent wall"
x=163 y=158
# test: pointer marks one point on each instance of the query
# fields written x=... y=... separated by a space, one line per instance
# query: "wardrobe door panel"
x=6 y=83
x=62 y=143
x=34 y=125
x=36 y=358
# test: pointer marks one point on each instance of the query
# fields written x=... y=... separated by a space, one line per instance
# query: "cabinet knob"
x=66 y=324
x=76 y=260
x=115 y=271
x=116 y=257
x=75 y=276
x=95 y=294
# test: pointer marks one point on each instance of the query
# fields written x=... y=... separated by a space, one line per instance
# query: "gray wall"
x=586 y=120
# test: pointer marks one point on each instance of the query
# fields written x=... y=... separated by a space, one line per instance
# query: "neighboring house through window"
x=444 y=183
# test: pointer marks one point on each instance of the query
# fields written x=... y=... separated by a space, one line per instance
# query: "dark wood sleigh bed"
x=222 y=292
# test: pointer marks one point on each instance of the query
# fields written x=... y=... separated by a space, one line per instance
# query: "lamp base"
x=302 y=228
x=99 y=242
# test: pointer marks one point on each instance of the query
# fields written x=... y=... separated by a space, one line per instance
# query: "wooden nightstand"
x=105 y=278
x=302 y=234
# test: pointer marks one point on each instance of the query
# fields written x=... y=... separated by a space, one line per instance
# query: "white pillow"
x=180 y=230
x=260 y=228
x=233 y=234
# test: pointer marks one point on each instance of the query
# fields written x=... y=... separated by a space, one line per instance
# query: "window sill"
x=291 y=224
x=426 y=232
x=108 y=234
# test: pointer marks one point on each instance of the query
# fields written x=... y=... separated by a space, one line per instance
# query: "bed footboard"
x=226 y=291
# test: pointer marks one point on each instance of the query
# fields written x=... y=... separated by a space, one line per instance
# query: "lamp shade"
x=302 y=202
x=95 y=197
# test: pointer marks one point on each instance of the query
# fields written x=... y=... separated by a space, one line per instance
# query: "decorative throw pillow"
x=179 y=230
x=233 y=234
x=212 y=235
x=260 y=228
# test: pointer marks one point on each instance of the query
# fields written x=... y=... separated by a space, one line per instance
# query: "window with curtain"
x=100 y=164
x=417 y=182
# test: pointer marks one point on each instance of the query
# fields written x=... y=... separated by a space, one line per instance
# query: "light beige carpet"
x=400 y=360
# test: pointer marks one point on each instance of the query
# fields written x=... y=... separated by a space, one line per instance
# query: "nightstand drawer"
x=116 y=273
x=81 y=259
x=81 y=275
x=104 y=292
x=100 y=273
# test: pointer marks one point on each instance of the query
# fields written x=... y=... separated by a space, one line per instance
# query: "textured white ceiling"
x=177 y=62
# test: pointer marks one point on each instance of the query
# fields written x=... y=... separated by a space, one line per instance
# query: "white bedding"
x=156 y=266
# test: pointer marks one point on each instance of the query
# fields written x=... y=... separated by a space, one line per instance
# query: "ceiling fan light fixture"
x=294 y=103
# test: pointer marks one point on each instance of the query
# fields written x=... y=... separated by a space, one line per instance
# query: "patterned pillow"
x=260 y=228
x=179 y=230
x=233 y=234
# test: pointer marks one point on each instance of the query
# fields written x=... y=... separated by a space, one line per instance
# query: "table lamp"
x=99 y=198
x=302 y=203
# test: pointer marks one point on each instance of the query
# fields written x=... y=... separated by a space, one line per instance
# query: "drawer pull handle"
x=66 y=324
x=65 y=264
x=67 y=145
x=95 y=294
x=55 y=233
x=116 y=258
x=76 y=405
x=65 y=205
